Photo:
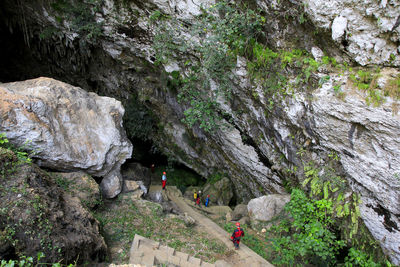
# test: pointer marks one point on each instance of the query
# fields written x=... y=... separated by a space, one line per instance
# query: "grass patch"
x=121 y=219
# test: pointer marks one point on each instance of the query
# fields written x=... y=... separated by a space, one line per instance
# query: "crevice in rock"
x=247 y=140
x=387 y=223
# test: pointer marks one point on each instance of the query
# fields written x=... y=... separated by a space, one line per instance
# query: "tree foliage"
x=220 y=33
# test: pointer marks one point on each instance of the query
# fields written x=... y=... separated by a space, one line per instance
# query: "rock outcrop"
x=220 y=192
x=367 y=30
x=137 y=172
x=239 y=212
x=36 y=215
x=266 y=207
x=66 y=128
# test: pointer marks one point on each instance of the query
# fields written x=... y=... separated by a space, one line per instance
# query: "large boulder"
x=221 y=192
x=67 y=128
x=37 y=215
x=137 y=172
x=266 y=207
x=239 y=212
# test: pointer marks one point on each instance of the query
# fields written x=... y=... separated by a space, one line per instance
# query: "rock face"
x=261 y=149
x=366 y=29
x=67 y=128
x=239 y=212
x=39 y=216
x=266 y=207
x=220 y=192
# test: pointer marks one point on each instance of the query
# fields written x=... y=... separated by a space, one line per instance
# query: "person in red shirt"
x=164 y=180
x=237 y=234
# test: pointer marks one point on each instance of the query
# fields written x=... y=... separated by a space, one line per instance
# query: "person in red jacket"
x=164 y=180
x=237 y=234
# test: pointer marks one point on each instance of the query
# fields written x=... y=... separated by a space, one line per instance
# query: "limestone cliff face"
x=260 y=152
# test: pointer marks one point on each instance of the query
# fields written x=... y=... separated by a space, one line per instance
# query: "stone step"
x=183 y=256
x=149 y=253
x=148 y=260
x=194 y=260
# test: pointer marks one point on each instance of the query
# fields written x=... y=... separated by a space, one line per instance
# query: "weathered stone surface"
x=228 y=216
x=220 y=192
x=245 y=220
x=137 y=172
x=130 y=186
x=67 y=128
x=133 y=196
x=44 y=218
x=80 y=185
x=339 y=25
x=365 y=138
x=189 y=221
x=239 y=212
x=111 y=185
x=368 y=27
x=266 y=207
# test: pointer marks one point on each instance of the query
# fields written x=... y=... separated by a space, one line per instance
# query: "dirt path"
x=244 y=257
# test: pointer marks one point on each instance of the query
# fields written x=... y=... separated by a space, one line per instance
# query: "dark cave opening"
x=179 y=175
x=16 y=60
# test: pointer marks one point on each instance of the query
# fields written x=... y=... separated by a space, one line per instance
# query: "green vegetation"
x=311 y=238
x=366 y=81
x=216 y=42
x=22 y=155
x=138 y=121
x=215 y=177
x=268 y=68
x=18 y=200
x=29 y=262
x=324 y=224
x=81 y=14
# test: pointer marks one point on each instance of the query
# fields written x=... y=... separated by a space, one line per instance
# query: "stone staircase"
x=146 y=252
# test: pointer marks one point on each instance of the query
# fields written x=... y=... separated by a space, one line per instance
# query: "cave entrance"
x=179 y=175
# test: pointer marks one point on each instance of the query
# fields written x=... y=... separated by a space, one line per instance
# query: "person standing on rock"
x=237 y=235
x=164 y=180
